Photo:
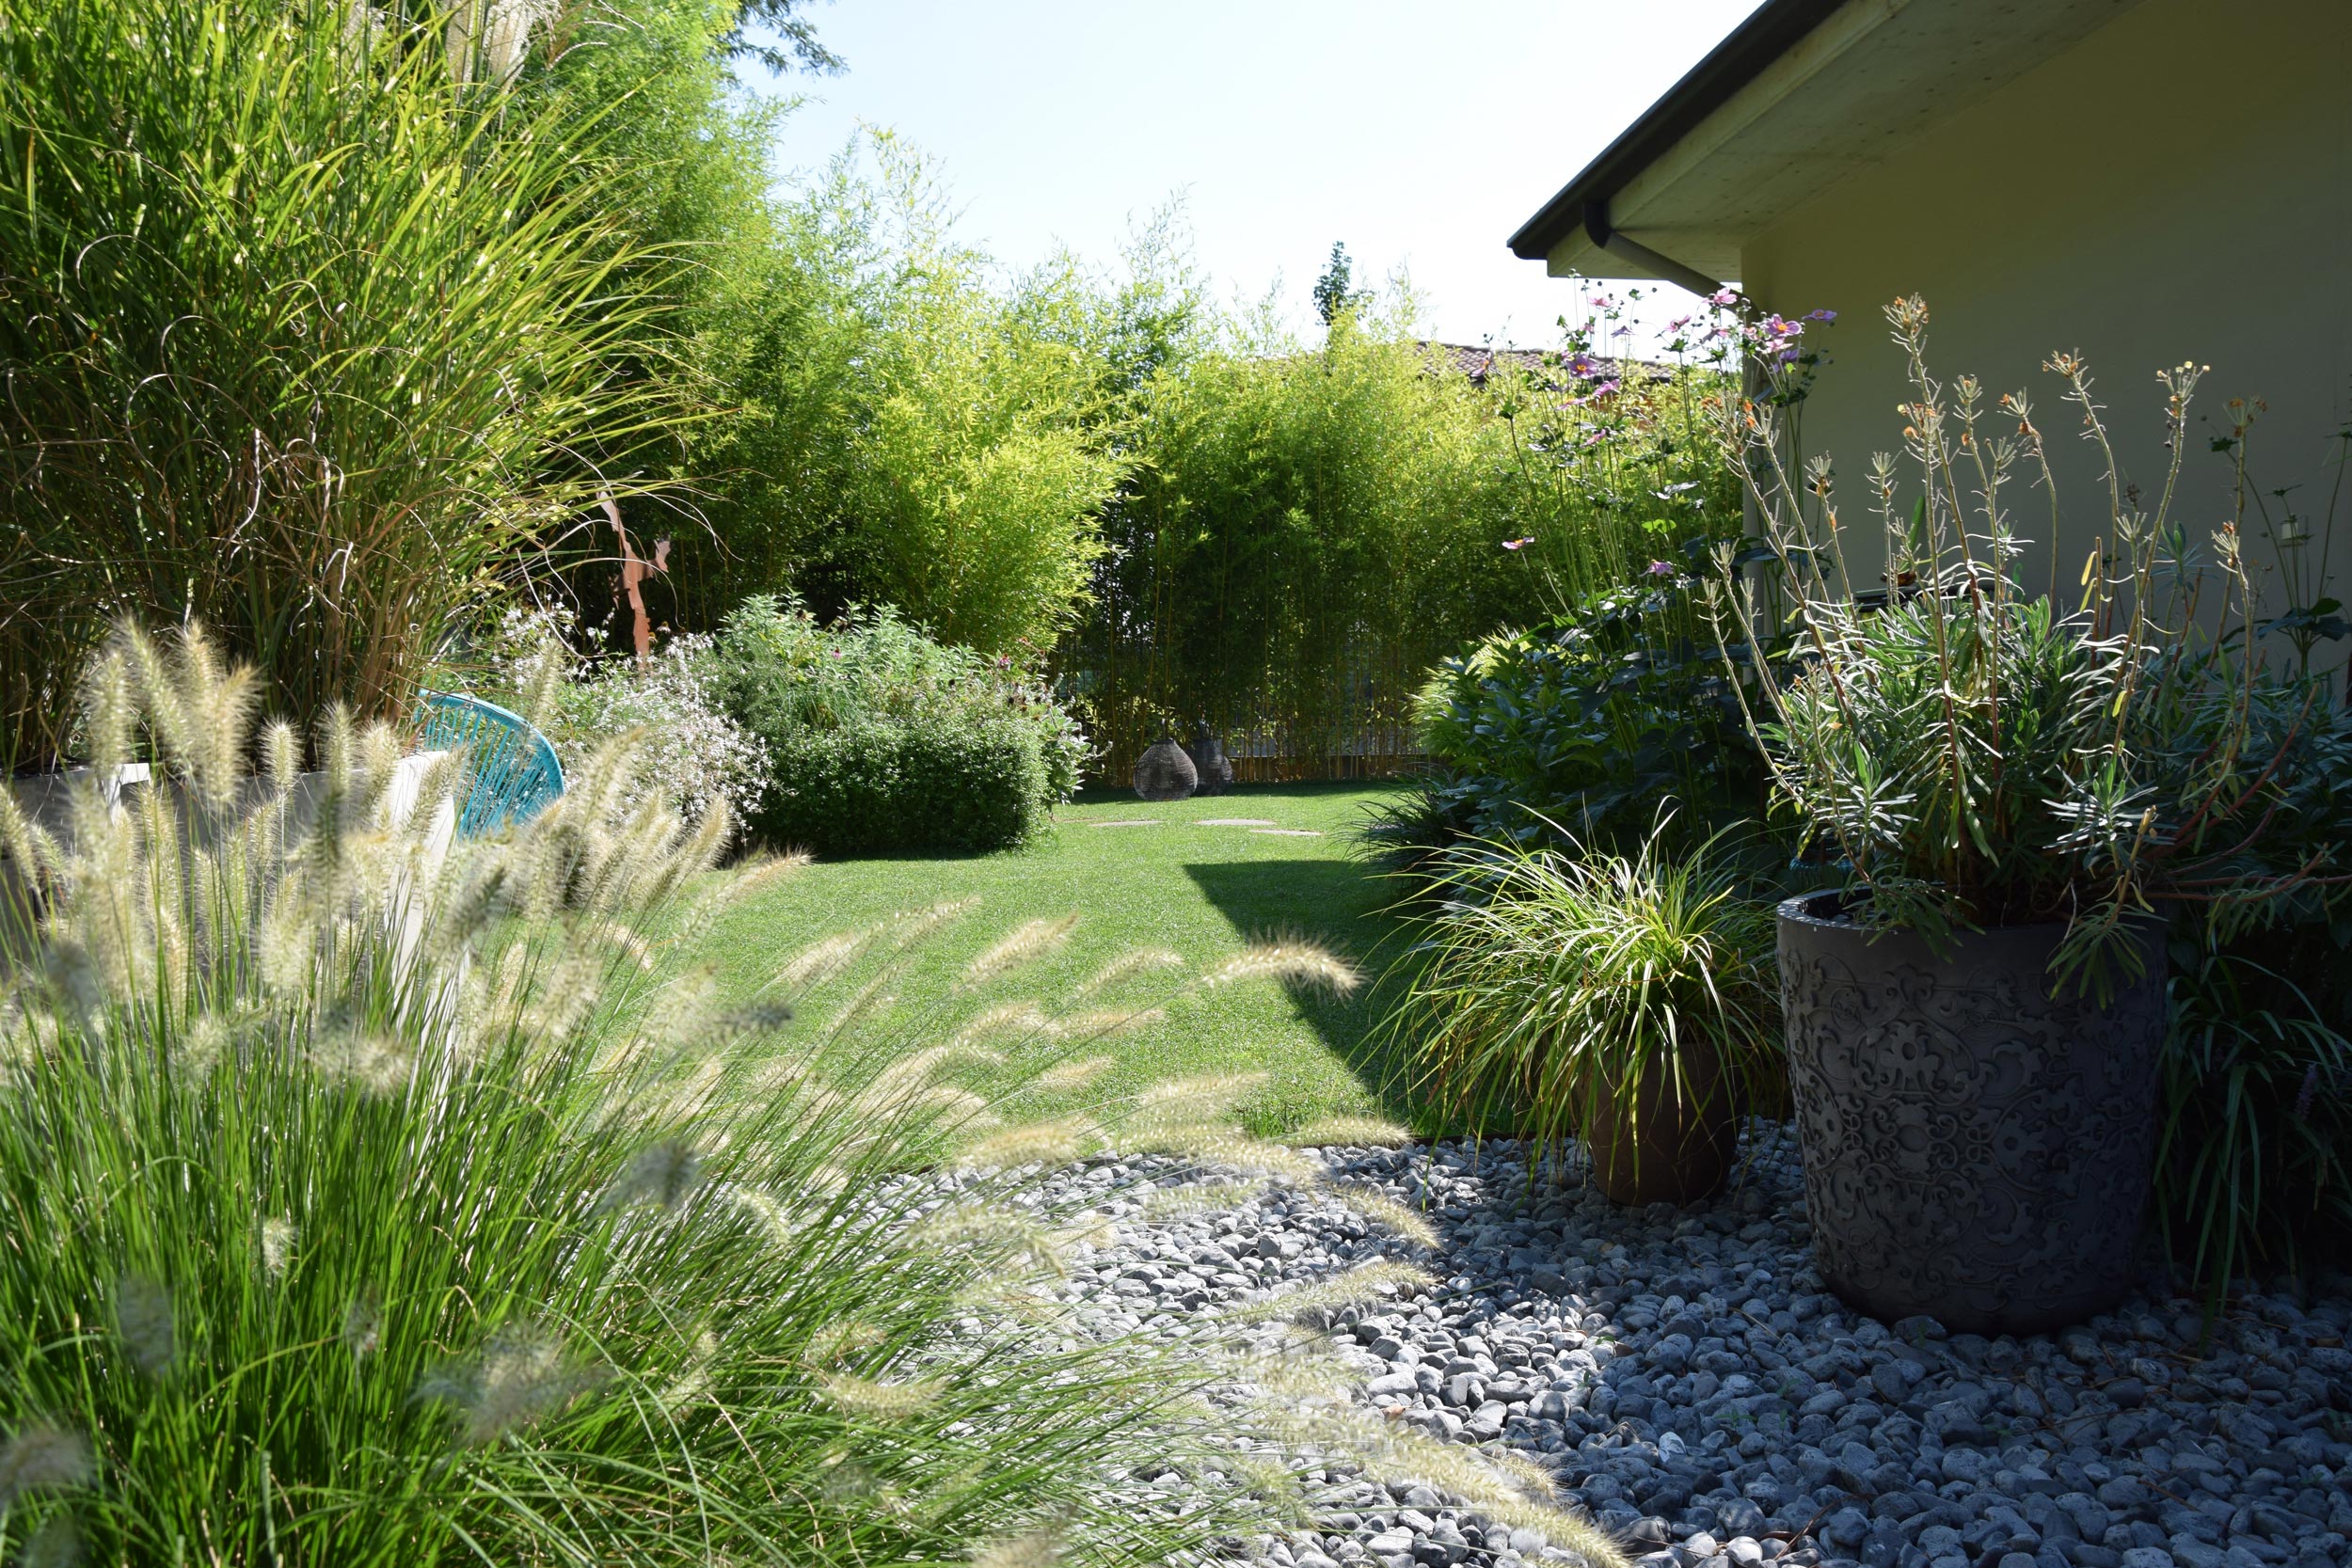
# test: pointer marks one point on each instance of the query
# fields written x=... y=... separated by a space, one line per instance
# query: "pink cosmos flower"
x=1723 y=296
x=1660 y=569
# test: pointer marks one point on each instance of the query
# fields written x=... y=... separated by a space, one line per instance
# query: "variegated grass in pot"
x=374 y=1200
x=2010 y=790
x=1627 y=999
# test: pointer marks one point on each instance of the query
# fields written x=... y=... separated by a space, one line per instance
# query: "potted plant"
x=1625 y=998
x=2012 y=795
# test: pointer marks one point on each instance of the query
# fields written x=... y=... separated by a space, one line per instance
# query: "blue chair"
x=513 y=768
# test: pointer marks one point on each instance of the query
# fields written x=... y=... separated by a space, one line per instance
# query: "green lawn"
x=1137 y=876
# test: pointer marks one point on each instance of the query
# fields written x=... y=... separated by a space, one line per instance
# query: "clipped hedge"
x=882 y=739
x=885 y=785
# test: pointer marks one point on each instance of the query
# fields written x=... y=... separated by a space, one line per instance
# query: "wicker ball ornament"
x=1164 y=772
x=1209 y=763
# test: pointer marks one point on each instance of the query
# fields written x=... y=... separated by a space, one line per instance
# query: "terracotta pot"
x=1677 y=1143
x=1975 y=1150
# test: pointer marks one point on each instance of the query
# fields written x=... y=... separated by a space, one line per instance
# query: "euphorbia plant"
x=1971 y=755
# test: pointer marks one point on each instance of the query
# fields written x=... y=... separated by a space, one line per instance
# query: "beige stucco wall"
x=2176 y=186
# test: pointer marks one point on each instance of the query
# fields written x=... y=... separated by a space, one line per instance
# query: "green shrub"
x=1591 y=721
x=2257 y=1100
x=874 y=786
x=881 y=738
x=2257 y=1107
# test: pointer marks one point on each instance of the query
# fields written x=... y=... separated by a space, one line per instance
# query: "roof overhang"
x=1800 y=95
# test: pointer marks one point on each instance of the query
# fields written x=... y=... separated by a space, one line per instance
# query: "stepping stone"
x=1289 y=832
x=1129 y=822
x=1235 y=822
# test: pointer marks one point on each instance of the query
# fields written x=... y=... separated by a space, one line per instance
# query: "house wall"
x=2176 y=186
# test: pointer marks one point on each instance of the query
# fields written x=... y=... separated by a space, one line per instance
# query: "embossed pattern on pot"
x=1975 y=1150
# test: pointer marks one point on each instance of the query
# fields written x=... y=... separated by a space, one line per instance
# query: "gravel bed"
x=1687 y=1378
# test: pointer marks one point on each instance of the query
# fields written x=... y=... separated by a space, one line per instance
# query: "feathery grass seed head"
x=1199 y=1197
x=56 y=1544
x=363 y=1324
x=1385 y=1213
x=1297 y=964
x=277 y=1244
x=662 y=1174
x=1192 y=1102
x=1042 y=1143
x=1025 y=944
x=868 y=1399
x=1045 y=1548
x=1063 y=1077
x=146 y=1320
x=44 y=1458
x=838 y=1341
x=1099 y=1022
x=1350 y=1133
x=1225 y=1147
x=1141 y=961
x=1360 y=1286
x=523 y=1376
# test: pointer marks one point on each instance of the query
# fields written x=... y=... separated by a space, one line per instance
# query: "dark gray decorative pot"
x=1209 y=764
x=1973 y=1149
x=1164 y=772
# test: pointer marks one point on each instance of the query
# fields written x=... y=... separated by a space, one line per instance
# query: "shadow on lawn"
x=1342 y=905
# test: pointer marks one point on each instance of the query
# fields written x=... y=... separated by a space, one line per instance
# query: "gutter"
x=1773 y=29
x=1629 y=249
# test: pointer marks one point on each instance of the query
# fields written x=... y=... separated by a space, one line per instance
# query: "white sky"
x=1421 y=135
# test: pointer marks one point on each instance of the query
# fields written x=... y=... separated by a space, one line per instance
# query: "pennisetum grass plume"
x=551 y=1254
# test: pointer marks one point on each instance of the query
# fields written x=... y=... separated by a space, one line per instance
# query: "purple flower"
x=1660 y=569
x=1723 y=296
x=1820 y=315
x=1517 y=544
x=1582 y=364
x=2308 y=1095
x=1605 y=389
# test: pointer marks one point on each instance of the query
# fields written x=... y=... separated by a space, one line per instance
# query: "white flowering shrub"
x=692 y=750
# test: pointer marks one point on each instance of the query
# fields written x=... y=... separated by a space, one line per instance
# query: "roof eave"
x=1770 y=31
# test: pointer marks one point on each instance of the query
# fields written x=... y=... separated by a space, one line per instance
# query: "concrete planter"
x=1973 y=1149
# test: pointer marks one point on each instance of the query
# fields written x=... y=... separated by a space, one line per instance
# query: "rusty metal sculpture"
x=635 y=569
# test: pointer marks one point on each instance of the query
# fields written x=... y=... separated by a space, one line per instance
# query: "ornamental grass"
x=371 y=1197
